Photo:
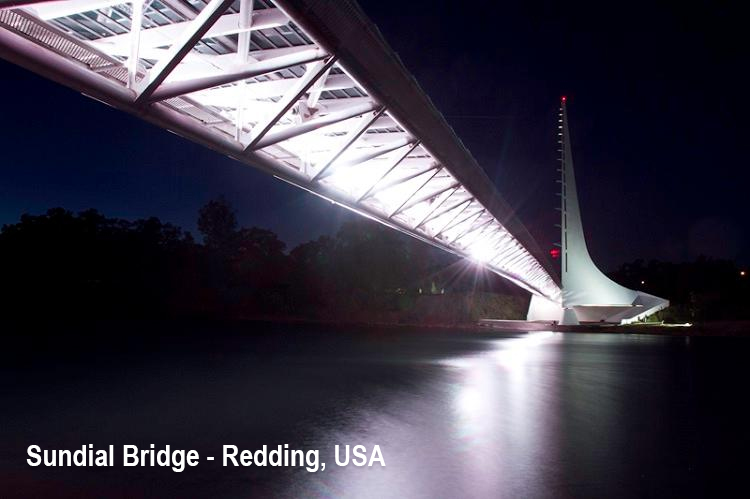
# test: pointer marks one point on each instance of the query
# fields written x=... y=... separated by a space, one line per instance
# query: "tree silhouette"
x=217 y=222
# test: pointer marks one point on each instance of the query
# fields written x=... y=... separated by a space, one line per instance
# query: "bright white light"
x=355 y=179
x=514 y=352
x=481 y=251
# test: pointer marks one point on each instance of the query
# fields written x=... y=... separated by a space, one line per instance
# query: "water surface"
x=455 y=414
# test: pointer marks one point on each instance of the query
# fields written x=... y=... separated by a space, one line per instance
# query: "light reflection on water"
x=480 y=427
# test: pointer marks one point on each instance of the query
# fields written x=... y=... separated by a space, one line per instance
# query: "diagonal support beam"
x=476 y=214
x=379 y=151
x=302 y=85
x=506 y=249
x=397 y=162
x=366 y=122
x=476 y=230
x=491 y=238
x=174 y=89
x=510 y=251
x=312 y=100
x=189 y=12
x=315 y=124
x=435 y=208
x=437 y=214
x=515 y=258
x=182 y=45
x=469 y=228
x=468 y=202
x=421 y=186
x=394 y=182
x=429 y=195
x=473 y=229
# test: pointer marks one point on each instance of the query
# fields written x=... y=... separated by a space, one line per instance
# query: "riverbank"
x=717 y=328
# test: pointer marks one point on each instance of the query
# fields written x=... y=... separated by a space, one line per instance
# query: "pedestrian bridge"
x=307 y=91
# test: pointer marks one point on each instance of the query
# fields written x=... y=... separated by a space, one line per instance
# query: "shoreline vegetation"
x=66 y=267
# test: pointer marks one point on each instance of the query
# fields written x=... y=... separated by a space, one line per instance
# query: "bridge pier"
x=542 y=309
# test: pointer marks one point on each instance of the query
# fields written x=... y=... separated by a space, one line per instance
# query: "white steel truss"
x=244 y=78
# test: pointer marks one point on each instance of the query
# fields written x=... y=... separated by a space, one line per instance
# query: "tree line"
x=706 y=289
x=66 y=265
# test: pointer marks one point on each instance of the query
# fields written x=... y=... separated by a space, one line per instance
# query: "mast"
x=582 y=282
x=588 y=295
x=562 y=147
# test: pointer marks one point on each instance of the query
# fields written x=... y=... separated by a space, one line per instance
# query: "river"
x=454 y=414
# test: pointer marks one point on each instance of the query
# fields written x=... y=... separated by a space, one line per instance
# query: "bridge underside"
x=306 y=91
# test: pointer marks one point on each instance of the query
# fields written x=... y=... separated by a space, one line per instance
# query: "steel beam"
x=174 y=89
x=463 y=220
x=432 y=216
x=421 y=186
x=376 y=152
x=393 y=166
x=454 y=217
x=135 y=41
x=314 y=124
x=302 y=85
x=468 y=229
x=243 y=49
x=480 y=226
x=182 y=45
x=422 y=199
x=365 y=123
x=316 y=90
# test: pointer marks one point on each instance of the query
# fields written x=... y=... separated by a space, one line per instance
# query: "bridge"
x=307 y=91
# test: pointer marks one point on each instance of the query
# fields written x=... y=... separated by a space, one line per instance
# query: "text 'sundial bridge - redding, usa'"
x=310 y=92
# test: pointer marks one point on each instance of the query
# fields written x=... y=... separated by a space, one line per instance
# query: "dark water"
x=455 y=415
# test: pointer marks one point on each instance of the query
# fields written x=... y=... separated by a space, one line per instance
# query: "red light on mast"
x=564 y=98
x=554 y=253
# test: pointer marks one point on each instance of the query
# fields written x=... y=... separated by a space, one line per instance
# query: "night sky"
x=657 y=105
